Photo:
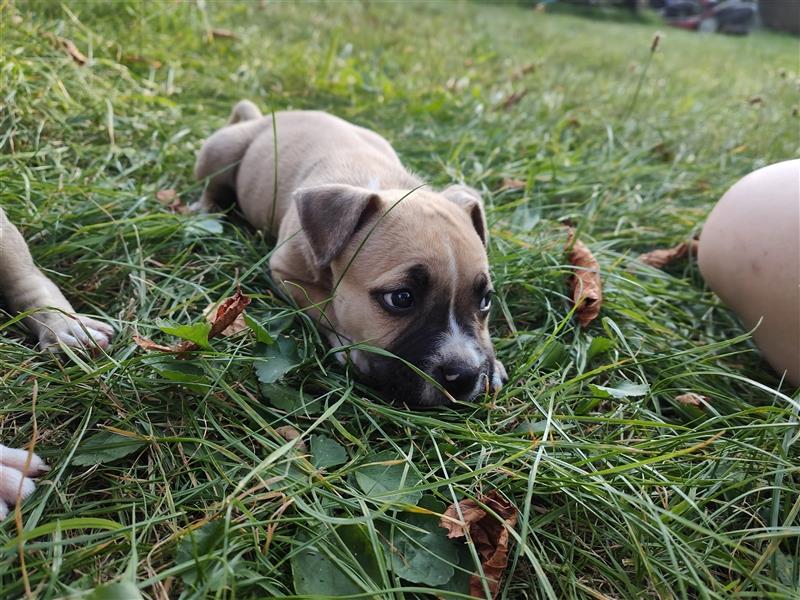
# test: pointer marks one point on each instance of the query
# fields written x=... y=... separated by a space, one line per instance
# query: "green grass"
x=629 y=497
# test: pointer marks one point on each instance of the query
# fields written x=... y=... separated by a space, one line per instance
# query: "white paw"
x=76 y=332
x=499 y=376
x=15 y=476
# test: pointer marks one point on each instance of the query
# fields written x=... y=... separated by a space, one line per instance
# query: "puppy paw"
x=16 y=472
x=499 y=376
x=76 y=332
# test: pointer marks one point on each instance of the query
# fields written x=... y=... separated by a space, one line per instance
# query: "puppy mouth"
x=397 y=384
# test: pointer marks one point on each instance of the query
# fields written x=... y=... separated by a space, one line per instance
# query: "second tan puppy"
x=25 y=289
x=376 y=258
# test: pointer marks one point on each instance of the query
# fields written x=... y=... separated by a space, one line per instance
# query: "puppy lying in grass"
x=53 y=321
x=375 y=257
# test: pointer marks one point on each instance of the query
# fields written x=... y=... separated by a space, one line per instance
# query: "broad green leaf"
x=599 y=346
x=196 y=546
x=204 y=225
x=104 y=447
x=538 y=427
x=120 y=590
x=326 y=452
x=196 y=332
x=421 y=552
x=274 y=361
x=626 y=389
x=315 y=573
x=290 y=400
x=555 y=356
x=389 y=482
x=182 y=371
x=76 y=524
x=262 y=335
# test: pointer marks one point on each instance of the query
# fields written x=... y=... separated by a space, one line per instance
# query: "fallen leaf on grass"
x=71 y=49
x=489 y=535
x=662 y=257
x=228 y=311
x=235 y=327
x=513 y=99
x=586 y=286
x=223 y=33
x=172 y=201
x=522 y=71
x=691 y=399
x=150 y=345
x=510 y=183
x=136 y=58
x=226 y=315
x=289 y=433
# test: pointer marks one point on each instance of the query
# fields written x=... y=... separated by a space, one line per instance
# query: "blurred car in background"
x=712 y=16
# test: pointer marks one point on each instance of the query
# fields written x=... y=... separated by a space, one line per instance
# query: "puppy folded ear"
x=470 y=200
x=330 y=215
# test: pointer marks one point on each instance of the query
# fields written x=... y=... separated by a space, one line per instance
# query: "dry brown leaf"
x=228 y=311
x=226 y=315
x=172 y=201
x=664 y=256
x=586 y=287
x=509 y=183
x=166 y=197
x=691 y=399
x=71 y=49
x=489 y=535
x=289 y=433
x=232 y=329
x=136 y=58
x=150 y=345
x=223 y=33
x=522 y=71
x=513 y=99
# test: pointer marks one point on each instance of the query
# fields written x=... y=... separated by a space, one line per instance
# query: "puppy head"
x=411 y=276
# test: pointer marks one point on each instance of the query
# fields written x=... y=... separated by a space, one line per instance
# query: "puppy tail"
x=244 y=111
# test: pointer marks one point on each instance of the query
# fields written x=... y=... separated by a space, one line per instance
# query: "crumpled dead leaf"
x=509 y=183
x=235 y=327
x=67 y=46
x=513 y=98
x=662 y=257
x=586 y=287
x=692 y=399
x=489 y=535
x=71 y=49
x=172 y=201
x=289 y=433
x=223 y=33
x=225 y=316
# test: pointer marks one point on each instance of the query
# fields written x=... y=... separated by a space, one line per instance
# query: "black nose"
x=459 y=380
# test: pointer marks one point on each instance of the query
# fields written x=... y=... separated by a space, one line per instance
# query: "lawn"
x=171 y=477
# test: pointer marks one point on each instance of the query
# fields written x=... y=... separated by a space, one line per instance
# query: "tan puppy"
x=25 y=289
x=377 y=258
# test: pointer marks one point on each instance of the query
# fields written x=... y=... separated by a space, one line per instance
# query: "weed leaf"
x=105 y=447
x=327 y=452
x=388 y=479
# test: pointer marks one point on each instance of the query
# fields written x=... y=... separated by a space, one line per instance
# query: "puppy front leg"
x=15 y=476
x=25 y=289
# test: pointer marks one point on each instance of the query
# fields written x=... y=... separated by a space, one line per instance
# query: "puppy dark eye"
x=399 y=299
x=486 y=302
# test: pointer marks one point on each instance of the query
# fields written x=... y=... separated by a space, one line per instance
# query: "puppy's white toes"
x=12 y=483
x=16 y=459
x=97 y=328
x=3 y=510
x=499 y=376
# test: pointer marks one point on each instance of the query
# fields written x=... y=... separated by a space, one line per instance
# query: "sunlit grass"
x=619 y=497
